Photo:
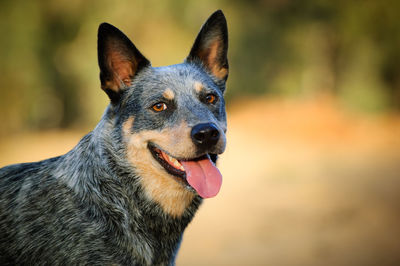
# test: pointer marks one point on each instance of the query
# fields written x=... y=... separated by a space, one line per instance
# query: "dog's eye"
x=211 y=98
x=159 y=107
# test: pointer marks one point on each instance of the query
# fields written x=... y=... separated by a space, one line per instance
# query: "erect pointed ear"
x=211 y=46
x=119 y=60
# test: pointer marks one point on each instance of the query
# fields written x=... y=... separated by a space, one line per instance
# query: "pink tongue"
x=203 y=176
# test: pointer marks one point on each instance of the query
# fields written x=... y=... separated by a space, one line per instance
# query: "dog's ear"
x=119 y=60
x=211 y=46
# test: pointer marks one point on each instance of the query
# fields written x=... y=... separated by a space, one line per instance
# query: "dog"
x=127 y=191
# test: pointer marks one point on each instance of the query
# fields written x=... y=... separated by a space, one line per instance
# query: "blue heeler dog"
x=127 y=191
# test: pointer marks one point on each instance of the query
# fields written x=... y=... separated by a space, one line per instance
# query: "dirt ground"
x=305 y=183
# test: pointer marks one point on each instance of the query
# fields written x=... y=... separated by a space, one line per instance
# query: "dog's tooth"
x=175 y=162
x=171 y=159
x=178 y=165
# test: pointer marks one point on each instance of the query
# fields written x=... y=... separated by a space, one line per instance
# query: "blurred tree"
x=38 y=91
x=58 y=27
x=347 y=48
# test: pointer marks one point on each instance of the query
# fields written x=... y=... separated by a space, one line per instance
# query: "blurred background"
x=312 y=167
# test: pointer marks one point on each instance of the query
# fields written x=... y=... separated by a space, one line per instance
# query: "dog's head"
x=172 y=119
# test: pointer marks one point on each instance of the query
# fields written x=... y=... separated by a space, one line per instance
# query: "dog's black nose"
x=205 y=135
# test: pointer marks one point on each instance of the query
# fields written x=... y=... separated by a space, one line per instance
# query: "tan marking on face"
x=198 y=87
x=158 y=185
x=127 y=125
x=168 y=94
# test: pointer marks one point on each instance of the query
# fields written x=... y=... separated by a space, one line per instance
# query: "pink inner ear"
x=210 y=57
x=212 y=54
x=209 y=54
x=122 y=68
x=124 y=71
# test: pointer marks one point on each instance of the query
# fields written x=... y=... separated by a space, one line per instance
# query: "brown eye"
x=159 y=107
x=211 y=98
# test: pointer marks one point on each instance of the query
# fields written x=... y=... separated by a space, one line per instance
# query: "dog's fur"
x=109 y=201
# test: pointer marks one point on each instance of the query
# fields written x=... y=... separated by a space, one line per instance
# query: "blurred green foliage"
x=285 y=48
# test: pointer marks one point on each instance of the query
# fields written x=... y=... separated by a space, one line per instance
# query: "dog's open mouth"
x=199 y=173
x=171 y=165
